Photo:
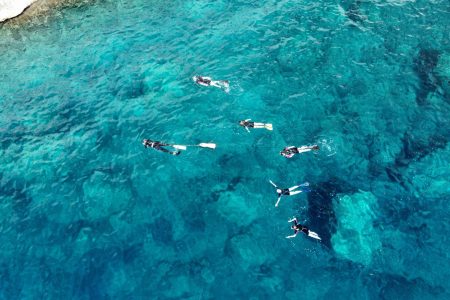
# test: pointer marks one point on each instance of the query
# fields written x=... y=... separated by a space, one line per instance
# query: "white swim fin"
x=268 y=126
x=314 y=235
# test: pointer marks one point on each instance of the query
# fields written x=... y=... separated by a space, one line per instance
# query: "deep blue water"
x=86 y=212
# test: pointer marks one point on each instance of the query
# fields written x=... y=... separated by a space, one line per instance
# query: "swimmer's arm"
x=246 y=128
x=271 y=182
x=292 y=236
x=294 y=219
x=278 y=201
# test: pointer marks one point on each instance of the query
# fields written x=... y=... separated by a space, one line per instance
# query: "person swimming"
x=207 y=81
x=297 y=227
x=247 y=124
x=290 y=151
x=159 y=146
x=287 y=192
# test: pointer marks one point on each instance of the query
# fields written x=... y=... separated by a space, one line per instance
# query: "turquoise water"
x=88 y=213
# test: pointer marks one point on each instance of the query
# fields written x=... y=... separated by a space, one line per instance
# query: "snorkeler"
x=290 y=151
x=247 y=124
x=287 y=192
x=207 y=81
x=159 y=146
x=297 y=227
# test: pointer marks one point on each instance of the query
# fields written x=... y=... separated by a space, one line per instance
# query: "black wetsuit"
x=159 y=146
x=203 y=80
x=302 y=228
x=284 y=192
x=247 y=124
x=289 y=151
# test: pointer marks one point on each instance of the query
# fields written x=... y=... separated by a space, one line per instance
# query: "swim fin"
x=314 y=235
x=268 y=126
x=207 y=145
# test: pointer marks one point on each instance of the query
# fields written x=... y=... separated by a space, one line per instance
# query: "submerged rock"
x=10 y=9
x=443 y=73
x=320 y=207
x=424 y=66
x=237 y=209
x=355 y=238
x=103 y=198
x=249 y=252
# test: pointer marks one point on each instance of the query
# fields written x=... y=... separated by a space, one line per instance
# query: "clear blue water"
x=87 y=213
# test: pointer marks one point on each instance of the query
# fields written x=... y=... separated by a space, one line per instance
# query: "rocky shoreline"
x=12 y=8
x=20 y=12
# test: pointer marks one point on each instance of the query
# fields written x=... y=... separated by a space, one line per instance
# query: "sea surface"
x=86 y=212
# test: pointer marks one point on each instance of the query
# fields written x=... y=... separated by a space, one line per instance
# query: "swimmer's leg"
x=216 y=84
x=294 y=187
x=258 y=125
x=304 y=149
x=168 y=151
x=294 y=193
x=297 y=186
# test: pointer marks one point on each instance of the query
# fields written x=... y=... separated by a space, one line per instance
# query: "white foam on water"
x=328 y=146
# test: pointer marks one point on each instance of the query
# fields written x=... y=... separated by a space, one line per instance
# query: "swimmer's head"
x=241 y=123
x=315 y=147
x=278 y=191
